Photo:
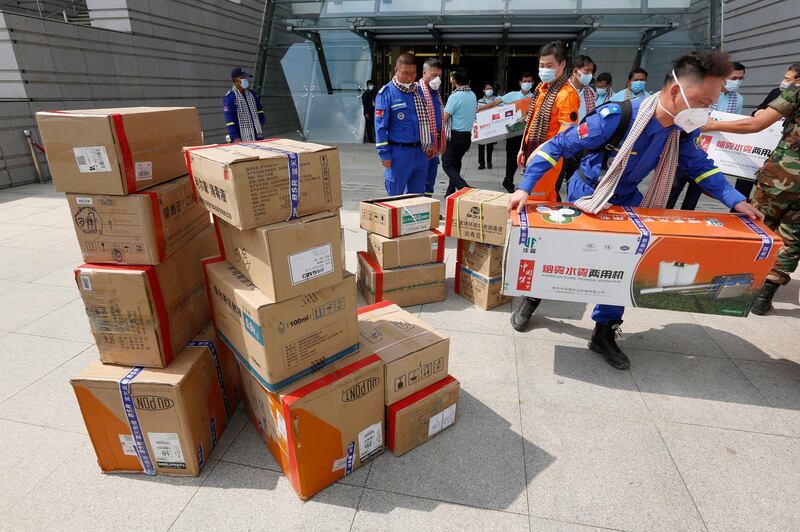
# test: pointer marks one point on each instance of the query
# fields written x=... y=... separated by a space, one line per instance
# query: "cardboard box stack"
x=404 y=261
x=478 y=219
x=282 y=300
x=164 y=387
x=420 y=396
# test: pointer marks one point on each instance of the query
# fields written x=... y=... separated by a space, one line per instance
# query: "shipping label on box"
x=399 y=215
x=479 y=215
x=141 y=228
x=501 y=122
x=282 y=342
x=251 y=184
x=117 y=151
x=421 y=416
x=408 y=250
x=325 y=426
x=483 y=259
x=414 y=353
x=484 y=292
x=160 y=421
x=144 y=315
x=287 y=259
x=408 y=286
x=675 y=260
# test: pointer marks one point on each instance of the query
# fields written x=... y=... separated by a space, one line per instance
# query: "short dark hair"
x=796 y=69
x=635 y=71
x=582 y=61
x=603 y=76
x=405 y=59
x=699 y=65
x=738 y=66
x=461 y=75
x=432 y=62
x=525 y=74
x=488 y=83
x=370 y=81
x=555 y=48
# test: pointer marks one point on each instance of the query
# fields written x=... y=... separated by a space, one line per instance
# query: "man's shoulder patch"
x=379 y=113
x=583 y=130
x=610 y=109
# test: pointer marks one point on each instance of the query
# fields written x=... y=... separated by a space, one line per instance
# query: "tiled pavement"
x=702 y=433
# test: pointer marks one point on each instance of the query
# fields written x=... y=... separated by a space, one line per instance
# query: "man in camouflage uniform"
x=778 y=188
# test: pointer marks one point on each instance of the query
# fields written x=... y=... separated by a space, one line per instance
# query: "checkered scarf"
x=733 y=103
x=590 y=99
x=249 y=127
x=661 y=184
x=537 y=121
x=438 y=137
x=424 y=119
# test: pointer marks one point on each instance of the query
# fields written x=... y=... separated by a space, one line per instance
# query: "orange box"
x=160 y=421
x=712 y=263
x=419 y=417
x=324 y=426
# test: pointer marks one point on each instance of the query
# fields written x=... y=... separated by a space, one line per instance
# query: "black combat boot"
x=604 y=342
x=522 y=315
x=763 y=302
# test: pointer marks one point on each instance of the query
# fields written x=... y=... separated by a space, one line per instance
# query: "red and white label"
x=525 y=274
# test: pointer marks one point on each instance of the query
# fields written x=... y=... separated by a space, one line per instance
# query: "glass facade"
x=320 y=53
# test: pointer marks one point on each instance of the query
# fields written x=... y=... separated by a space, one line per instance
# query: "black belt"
x=406 y=144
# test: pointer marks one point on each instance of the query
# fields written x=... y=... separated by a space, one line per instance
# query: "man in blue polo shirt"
x=460 y=110
x=244 y=116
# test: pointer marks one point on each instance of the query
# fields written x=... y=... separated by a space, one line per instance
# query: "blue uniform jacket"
x=395 y=119
x=232 y=118
x=595 y=133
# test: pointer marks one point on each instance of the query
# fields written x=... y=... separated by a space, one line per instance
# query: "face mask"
x=584 y=79
x=637 y=86
x=526 y=86
x=406 y=85
x=488 y=92
x=245 y=83
x=370 y=87
x=435 y=83
x=785 y=85
x=732 y=85
x=547 y=74
x=602 y=92
x=691 y=118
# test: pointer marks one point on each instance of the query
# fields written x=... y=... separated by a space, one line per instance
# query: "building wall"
x=137 y=52
x=763 y=35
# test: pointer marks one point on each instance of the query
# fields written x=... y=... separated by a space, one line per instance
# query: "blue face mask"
x=637 y=86
x=602 y=92
x=547 y=74
x=245 y=83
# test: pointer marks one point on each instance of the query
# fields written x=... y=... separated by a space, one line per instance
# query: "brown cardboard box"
x=484 y=292
x=250 y=184
x=483 y=259
x=325 y=426
x=282 y=342
x=287 y=259
x=419 y=417
x=414 y=353
x=117 y=151
x=144 y=315
x=408 y=250
x=479 y=215
x=412 y=285
x=174 y=417
x=142 y=228
x=399 y=215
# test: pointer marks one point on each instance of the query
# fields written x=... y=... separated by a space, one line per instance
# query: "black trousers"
x=745 y=186
x=369 y=129
x=457 y=146
x=693 y=192
x=512 y=148
x=485 y=154
x=568 y=168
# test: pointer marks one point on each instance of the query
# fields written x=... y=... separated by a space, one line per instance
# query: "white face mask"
x=406 y=85
x=785 y=85
x=691 y=118
x=370 y=87
x=435 y=83
x=488 y=92
x=733 y=85
x=584 y=78
x=526 y=86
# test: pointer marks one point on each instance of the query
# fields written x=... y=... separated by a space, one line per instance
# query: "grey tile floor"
x=702 y=433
